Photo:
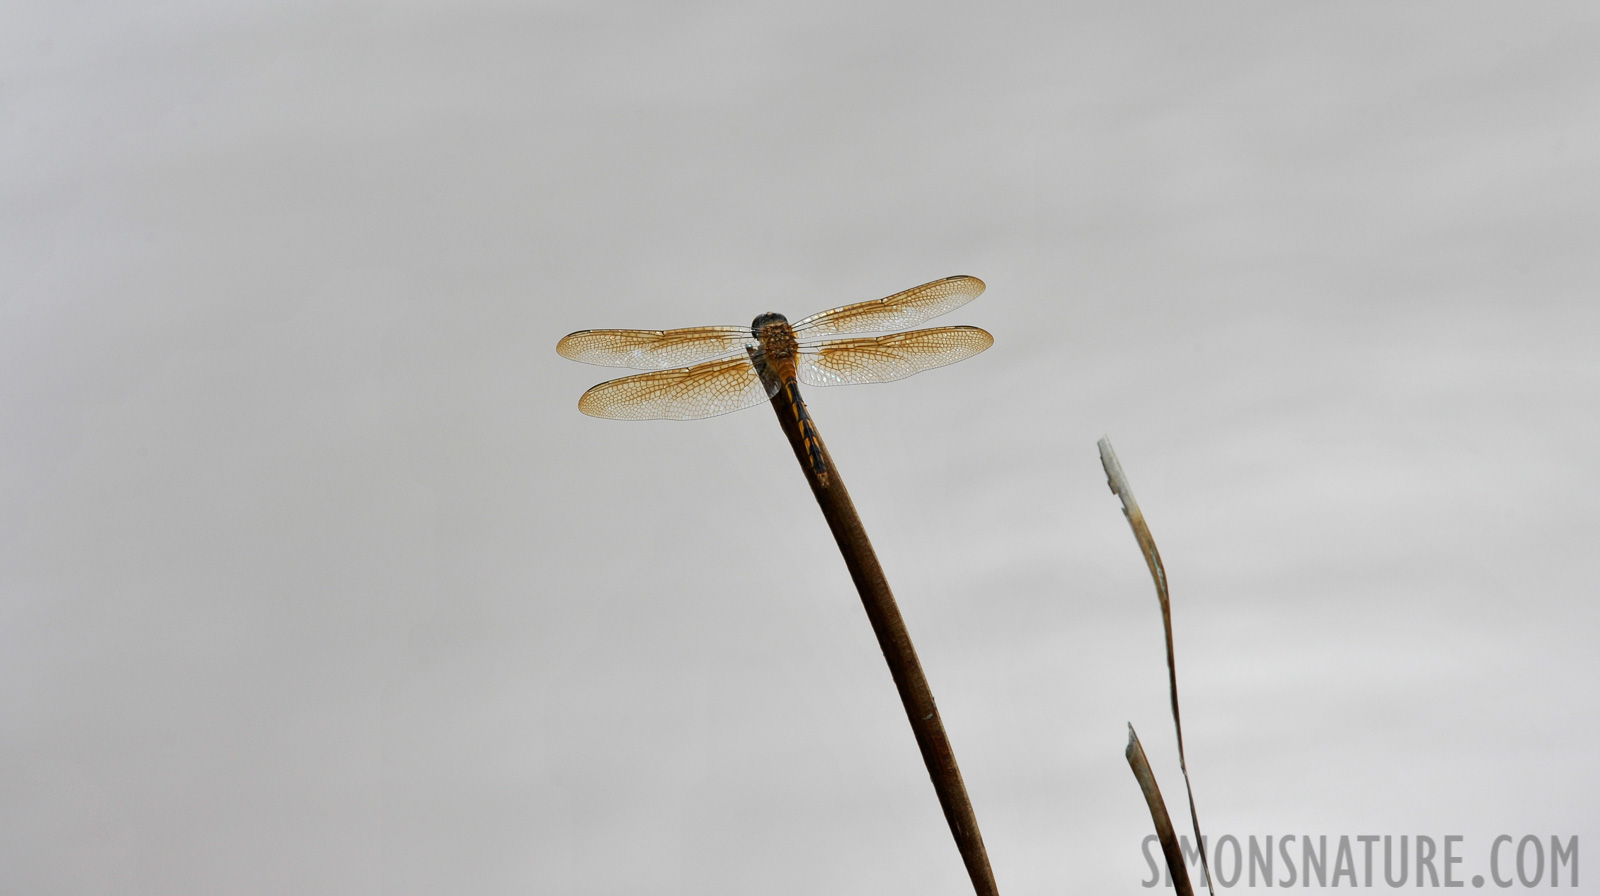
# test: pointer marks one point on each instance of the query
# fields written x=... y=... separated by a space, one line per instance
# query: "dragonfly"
x=699 y=372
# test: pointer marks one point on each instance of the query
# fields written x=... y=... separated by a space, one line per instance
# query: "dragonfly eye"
x=771 y=317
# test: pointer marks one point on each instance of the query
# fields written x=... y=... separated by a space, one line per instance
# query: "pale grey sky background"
x=314 y=580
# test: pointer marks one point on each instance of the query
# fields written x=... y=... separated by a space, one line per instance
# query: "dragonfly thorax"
x=778 y=344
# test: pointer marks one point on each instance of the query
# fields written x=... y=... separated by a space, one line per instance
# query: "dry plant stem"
x=1158 y=814
x=895 y=641
x=1152 y=558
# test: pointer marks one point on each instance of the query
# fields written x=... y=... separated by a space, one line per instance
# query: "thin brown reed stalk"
x=894 y=639
x=1152 y=558
x=1158 y=814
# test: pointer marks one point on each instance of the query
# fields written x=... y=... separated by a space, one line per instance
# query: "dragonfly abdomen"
x=808 y=432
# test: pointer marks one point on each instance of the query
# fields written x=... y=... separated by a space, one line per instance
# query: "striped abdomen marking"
x=808 y=432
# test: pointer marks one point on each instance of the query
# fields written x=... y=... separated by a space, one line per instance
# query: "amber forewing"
x=903 y=309
x=653 y=349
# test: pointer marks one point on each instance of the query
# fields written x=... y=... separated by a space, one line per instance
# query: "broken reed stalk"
x=894 y=639
x=1152 y=558
x=1158 y=814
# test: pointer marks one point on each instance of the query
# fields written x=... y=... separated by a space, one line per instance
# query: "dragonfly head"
x=765 y=320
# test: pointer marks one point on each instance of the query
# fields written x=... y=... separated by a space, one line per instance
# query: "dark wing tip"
x=568 y=346
x=589 y=405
